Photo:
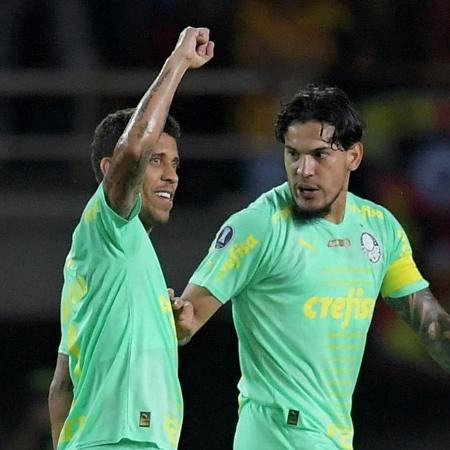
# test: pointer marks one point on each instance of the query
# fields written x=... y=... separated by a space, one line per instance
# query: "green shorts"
x=265 y=428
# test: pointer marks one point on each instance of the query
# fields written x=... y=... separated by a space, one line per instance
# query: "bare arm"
x=192 y=311
x=124 y=178
x=60 y=397
x=425 y=315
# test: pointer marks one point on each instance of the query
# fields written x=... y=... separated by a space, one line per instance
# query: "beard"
x=310 y=215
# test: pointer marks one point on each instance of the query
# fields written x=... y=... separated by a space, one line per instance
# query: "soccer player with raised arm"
x=116 y=380
x=303 y=266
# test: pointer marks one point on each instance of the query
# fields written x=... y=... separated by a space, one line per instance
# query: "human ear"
x=104 y=165
x=354 y=156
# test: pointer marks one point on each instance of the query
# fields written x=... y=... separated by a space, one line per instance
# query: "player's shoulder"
x=93 y=206
x=266 y=210
x=369 y=210
x=275 y=203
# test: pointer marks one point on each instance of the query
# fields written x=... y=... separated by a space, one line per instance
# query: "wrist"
x=178 y=62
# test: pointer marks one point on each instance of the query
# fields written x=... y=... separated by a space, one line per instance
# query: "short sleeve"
x=100 y=215
x=238 y=252
x=63 y=345
x=109 y=215
x=402 y=277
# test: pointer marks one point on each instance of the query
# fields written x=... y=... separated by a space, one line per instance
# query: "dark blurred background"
x=66 y=63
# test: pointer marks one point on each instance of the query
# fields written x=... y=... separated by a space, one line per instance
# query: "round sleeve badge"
x=370 y=247
x=224 y=237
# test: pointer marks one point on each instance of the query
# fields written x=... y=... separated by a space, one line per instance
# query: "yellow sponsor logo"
x=236 y=253
x=367 y=211
x=351 y=307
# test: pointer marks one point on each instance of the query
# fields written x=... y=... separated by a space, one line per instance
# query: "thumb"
x=186 y=307
x=171 y=293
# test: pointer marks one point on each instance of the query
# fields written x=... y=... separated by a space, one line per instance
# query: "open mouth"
x=167 y=195
x=307 y=192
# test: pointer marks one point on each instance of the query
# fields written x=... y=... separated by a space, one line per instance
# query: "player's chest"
x=332 y=260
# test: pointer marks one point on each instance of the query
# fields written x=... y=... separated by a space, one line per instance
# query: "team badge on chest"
x=370 y=247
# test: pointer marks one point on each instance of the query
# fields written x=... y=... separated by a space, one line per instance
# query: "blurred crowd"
x=391 y=56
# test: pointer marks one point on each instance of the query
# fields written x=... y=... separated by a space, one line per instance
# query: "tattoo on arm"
x=154 y=88
x=141 y=129
x=143 y=107
x=426 y=316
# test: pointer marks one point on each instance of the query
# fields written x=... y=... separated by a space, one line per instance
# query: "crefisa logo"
x=370 y=247
x=224 y=237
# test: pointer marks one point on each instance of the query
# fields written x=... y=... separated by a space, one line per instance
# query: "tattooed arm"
x=427 y=317
x=125 y=170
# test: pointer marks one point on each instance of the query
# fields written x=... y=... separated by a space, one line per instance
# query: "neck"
x=148 y=226
x=337 y=210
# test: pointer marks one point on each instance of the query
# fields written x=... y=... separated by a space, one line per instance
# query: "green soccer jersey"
x=118 y=331
x=303 y=296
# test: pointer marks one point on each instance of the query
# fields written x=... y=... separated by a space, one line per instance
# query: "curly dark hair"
x=323 y=104
x=110 y=129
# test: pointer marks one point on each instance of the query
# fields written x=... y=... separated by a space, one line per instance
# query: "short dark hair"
x=110 y=129
x=323 y=104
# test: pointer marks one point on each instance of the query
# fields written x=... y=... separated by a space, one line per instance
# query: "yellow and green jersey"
x=303 y=296
x=118 y=331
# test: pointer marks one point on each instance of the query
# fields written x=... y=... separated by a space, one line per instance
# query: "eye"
x=292 y=153
x=321 y=154
x=155 y=161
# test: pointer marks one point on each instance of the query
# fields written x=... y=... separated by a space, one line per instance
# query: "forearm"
x=195 y=307
x=59 y=403
x=147 y=122
x=431 y=322
x=60 y=397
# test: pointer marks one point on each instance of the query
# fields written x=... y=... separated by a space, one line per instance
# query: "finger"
x=210 y=49
x=201 y=49
x=177 y=304
x=203 y=34
x=172 y=296
x=187 y=310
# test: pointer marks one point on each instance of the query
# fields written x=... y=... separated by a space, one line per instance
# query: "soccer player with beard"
x=303 y=266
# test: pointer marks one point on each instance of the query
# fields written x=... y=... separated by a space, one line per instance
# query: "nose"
x=170 y=174
x=305 y=165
